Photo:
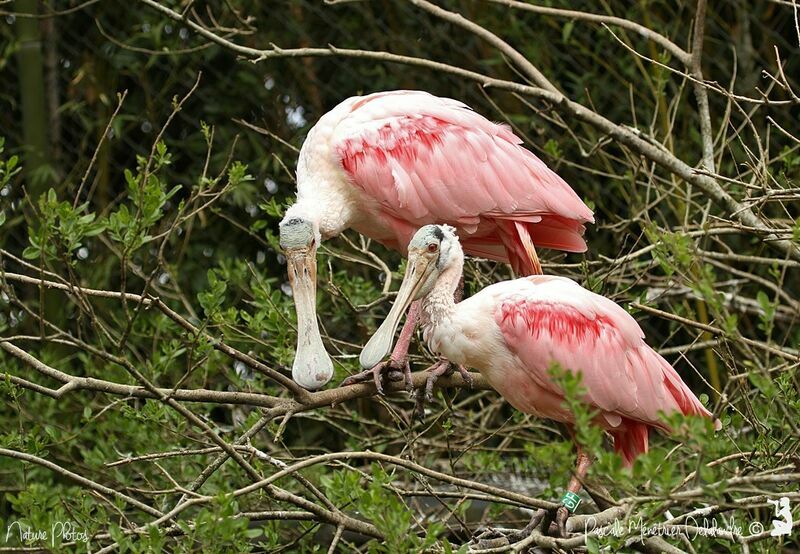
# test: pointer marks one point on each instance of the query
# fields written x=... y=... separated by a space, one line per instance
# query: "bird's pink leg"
x=398 y=360
x=399 y=356
x=559 y=526
x=575 y=485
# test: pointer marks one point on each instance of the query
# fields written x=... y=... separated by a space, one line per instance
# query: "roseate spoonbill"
x=514 y=331
x=388 y=163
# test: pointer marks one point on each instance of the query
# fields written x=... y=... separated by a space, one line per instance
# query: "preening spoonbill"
x=513 y=332
x=388 y=163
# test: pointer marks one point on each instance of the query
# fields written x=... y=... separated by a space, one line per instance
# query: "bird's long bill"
x=312 y=367
x=381 y=342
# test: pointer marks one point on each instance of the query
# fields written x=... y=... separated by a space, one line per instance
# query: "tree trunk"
x=32 y=97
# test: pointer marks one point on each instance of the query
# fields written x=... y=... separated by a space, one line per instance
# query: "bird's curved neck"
x=328 y=212
x=439 y=306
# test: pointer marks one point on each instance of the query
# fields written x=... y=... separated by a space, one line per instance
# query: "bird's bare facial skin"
x=312 y=367
x=420 y=274
x=296 y=232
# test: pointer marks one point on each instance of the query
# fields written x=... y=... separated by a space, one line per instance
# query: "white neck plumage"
x=439 y=305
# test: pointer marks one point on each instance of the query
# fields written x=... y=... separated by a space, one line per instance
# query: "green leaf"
x=566 y=30
x=31 y=253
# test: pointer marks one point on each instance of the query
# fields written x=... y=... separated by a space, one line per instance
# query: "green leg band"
x=570 y=501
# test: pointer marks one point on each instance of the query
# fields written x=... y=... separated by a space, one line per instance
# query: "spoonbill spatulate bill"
x=514 y=332
x=390 y=162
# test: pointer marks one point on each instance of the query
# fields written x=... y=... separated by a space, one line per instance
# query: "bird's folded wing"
x=555 y=321
x=425 y=159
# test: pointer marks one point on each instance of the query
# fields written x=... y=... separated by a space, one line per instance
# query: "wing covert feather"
x=426 y=159
x=546 y=320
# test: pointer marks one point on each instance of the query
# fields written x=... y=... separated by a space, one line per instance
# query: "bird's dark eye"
x=313 y=243
x=433 y=247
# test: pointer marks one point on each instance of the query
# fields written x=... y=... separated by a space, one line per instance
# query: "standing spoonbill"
x=388 y=163
x=513 y=332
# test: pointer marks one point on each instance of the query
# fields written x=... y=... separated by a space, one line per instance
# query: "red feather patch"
x=404 y=140
x=563 y=323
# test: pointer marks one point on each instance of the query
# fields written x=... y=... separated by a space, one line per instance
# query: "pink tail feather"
x=519 y=238
x=519 y=247
x=631 y=437
x=686 y=400
x=630 y=440
x=558 y=233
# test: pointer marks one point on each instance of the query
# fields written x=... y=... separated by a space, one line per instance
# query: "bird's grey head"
x=435 y=242
x=298 y=232
x=433 y=250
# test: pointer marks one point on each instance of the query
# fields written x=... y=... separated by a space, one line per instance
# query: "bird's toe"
x=375 y=375
x=559 y=526
x=465 y=374
x=407 y=375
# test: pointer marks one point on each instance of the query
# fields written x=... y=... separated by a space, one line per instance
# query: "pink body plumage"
x=515 y=331
x=387 y=163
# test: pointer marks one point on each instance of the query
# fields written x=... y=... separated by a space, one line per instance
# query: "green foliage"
x=672 y=250
x=570 y=382
x=148 y=194
x=768 y=315
x=211 y=300
x=62 y=230
x=383 y=507
x=8 y=167
x=216 y=525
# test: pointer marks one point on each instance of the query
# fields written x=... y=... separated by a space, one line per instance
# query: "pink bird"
x=515 y=331
x=386 y=164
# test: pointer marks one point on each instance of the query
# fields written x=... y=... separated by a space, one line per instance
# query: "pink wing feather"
x=427 y=159
x=554 y=320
